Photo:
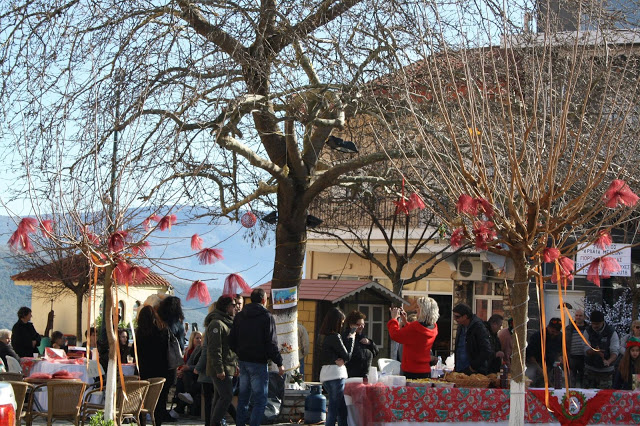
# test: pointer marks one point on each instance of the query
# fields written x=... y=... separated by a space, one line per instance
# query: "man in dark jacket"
x=253 y=338
x=494 y=324
x=473 y=346
x=24 y=337
x=222 y=363
x=553 y=352
x=599 y=362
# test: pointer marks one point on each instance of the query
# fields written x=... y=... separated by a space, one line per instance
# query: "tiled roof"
x=335 y=291
x=75 y=267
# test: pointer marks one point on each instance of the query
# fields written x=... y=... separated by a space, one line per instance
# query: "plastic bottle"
x=504 y=376
x=315 y=406
x=557 y=375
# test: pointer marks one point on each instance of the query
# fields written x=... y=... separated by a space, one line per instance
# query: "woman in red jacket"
x=417 y=337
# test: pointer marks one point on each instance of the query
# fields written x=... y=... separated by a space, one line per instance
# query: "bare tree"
x=361 y=215
x=217 y=104
x=532 y=139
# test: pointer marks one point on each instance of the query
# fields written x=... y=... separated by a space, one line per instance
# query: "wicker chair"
x=64 y=398
x=20 y=391
x=11 y=377
x=151 y=400
x=130 y=407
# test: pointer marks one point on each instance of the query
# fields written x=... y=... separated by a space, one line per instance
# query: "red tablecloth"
x=381 y=404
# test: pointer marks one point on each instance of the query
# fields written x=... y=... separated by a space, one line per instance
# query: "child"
x=333 y=356
x=629 y=365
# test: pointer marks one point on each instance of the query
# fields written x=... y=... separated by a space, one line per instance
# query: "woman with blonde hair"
x=417 y=337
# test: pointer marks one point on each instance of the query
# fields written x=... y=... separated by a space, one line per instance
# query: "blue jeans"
x=254 y=385
x=337 y=408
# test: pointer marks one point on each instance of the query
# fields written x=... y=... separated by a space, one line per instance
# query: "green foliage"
x=98 y=420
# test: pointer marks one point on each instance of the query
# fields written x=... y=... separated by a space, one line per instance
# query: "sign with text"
x=589 y=253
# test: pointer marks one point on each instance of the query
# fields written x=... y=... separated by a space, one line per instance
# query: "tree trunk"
x=520 y=298
x=79 y=303
x=110 y=389
x=291 y=239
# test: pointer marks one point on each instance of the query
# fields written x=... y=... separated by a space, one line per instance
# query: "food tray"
x=464 y=381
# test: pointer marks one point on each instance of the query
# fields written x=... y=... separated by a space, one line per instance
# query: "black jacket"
x=627 y=383
x=334 y=347
x=478 y=346
x=361 y=357
x=22 y=334
x=494 y=362
x=253 y=335
x=7 y=350
x=152 y=348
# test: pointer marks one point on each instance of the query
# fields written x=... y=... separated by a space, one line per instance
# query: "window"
x=375 y=323
x=488 y=299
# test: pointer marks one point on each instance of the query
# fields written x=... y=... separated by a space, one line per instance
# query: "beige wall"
x=336 y=263
x=65 y=308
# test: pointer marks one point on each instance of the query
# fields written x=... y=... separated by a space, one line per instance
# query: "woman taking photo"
x=364 y=349
x=334 y=353
x=417 y=337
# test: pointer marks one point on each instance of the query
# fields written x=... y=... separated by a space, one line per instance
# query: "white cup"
x=373 y=375
x=36 y=354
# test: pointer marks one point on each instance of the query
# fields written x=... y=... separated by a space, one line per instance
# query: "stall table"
x=77 y=367
x=380 y=405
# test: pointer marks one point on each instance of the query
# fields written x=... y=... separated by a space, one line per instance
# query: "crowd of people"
x=232 y=356
x=598 y=357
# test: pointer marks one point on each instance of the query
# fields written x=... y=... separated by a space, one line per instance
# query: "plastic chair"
x=13 y=365
x=11 y=377
x=151 y=400
x=389 y=366
x=64 y=399
x=20 y=391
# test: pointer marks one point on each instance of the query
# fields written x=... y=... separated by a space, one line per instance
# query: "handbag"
x=174 y=353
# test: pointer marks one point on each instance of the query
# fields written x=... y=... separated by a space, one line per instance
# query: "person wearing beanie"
x=601 y=354
x=553 y=352
x=629 y=365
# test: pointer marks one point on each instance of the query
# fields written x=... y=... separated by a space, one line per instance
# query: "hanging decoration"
x=484 y=232
x=566 y=267
x=233 y=284
x=603 y=240
x=457 y=238
x=199 y=289
x=20 y=240
x=196 y=242
x=46 y=226
x=474 y=206
x=140 y=248
x=248 y=220
x=209 y=256
x=117 y=241
x=415 y=202
x=167 y=221
x=602 y=267
x=401 y=203
x=147 y=222
x=550 y=254
x=619 y=193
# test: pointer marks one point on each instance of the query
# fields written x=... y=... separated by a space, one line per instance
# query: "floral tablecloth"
x=379 y=404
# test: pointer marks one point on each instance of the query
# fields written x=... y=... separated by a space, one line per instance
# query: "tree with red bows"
x=526 y=146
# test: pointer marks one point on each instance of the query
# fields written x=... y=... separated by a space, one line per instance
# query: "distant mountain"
x=170 y=255
x=12 y=296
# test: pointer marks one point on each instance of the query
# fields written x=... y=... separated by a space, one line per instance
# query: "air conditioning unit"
x=469 y=269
